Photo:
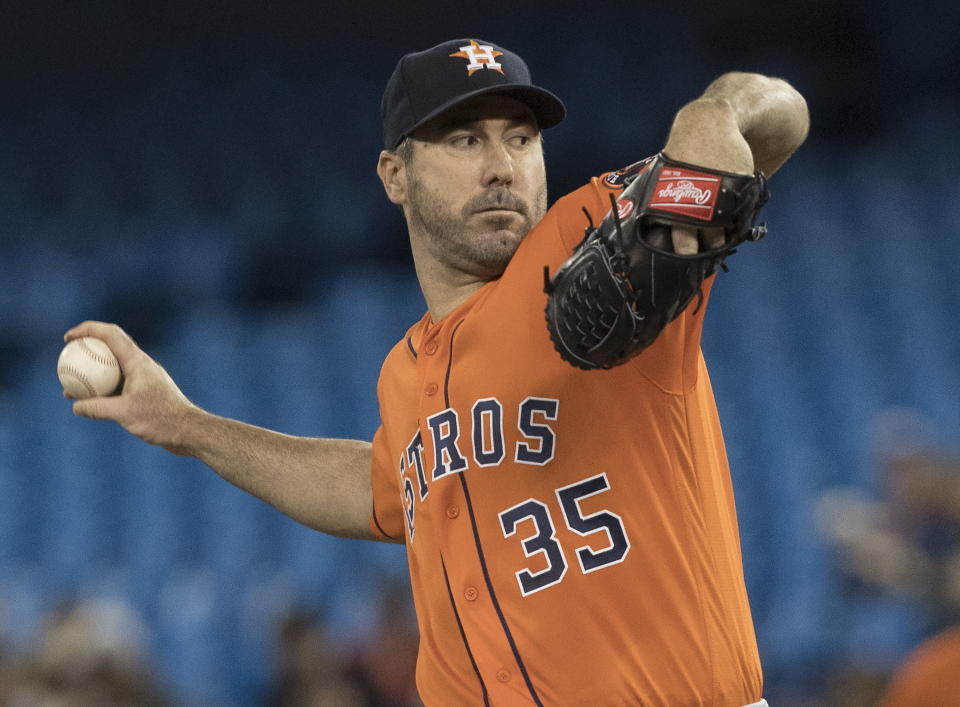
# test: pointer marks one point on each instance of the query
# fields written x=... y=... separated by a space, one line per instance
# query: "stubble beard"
x=477 y=245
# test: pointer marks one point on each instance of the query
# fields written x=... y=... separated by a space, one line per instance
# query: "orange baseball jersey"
x=929 y=676
x=571 y=534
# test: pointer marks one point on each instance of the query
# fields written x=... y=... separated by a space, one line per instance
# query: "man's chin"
x=499 y=249
x=504 y=240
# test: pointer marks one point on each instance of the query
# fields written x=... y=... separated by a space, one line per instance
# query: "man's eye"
x=465 y=141
x=521 y=140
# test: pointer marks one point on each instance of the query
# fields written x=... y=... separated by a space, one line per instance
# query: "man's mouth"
x=500 y=203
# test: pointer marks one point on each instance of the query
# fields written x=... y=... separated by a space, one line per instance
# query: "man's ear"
x=393 y=173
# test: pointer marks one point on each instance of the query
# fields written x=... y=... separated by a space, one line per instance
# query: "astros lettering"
x=484 y=444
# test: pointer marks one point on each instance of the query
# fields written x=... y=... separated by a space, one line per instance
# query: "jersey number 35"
x=544 y=541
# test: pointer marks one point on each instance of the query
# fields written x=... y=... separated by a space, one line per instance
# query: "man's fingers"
x=713 y=238
x=116 y=339
x=690 y=241
x=104 y=408
x=684 y=240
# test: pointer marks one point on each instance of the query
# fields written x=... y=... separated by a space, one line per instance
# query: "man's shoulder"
x=620 y=178
x=405 y=350
x=563 y=226
x=595 y=194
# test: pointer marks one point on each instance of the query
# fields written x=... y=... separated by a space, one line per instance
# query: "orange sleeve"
x=671 y=361
x=386 y=513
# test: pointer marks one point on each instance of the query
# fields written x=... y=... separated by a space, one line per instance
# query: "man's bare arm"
x=322 y=483
x=742 y=123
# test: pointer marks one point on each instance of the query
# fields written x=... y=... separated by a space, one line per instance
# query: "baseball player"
x=549 y=448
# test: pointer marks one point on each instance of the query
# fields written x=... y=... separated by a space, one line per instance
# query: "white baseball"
x=87 y=368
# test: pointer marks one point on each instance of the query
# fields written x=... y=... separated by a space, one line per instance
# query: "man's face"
x=476 y=183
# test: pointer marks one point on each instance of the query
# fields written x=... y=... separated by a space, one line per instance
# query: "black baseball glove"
x=624 y=283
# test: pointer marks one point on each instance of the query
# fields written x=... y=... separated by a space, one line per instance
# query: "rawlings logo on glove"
x=690 y=193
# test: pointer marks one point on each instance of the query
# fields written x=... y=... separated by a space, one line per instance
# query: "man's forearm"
x=322 y=483
x=743 y=122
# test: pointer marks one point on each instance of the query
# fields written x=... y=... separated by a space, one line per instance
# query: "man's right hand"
x=150 y=405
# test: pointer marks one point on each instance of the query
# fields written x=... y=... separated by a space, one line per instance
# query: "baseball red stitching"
x=80 y=377
x=95 y=356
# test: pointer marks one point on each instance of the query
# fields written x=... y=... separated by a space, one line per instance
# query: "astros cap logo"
x=481 y=56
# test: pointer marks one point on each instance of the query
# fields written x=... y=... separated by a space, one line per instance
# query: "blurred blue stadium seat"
x=193 y=630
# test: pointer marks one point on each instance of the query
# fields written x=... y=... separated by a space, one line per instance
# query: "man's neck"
x=444 y=290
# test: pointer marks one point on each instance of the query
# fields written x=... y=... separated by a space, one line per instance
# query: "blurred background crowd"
x=202 y=174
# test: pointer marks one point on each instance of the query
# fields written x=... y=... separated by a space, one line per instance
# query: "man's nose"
x=498 y=165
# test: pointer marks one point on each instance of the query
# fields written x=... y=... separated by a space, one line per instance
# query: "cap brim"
x=547 y=108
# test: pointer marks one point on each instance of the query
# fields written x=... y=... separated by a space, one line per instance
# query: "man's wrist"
x=705 y=132
x=194 y=430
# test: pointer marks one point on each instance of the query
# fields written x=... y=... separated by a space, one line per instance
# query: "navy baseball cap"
x=426 y=83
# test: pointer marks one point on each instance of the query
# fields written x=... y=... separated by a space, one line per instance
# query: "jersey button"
x=452 y=512
x=431 y=389
x=503 y=675
x=470 y=593
x=431 y=348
